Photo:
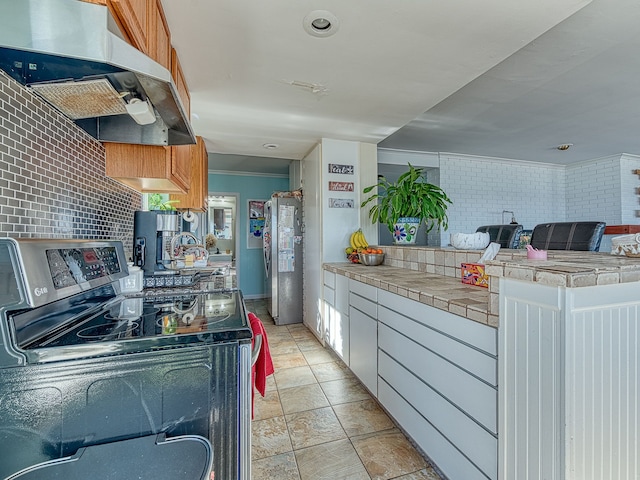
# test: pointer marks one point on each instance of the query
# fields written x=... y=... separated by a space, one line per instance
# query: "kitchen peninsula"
x=533 y=377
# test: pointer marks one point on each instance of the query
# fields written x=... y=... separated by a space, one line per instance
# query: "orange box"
x=474 y=274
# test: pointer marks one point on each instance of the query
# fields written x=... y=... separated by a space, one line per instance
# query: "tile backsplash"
x=52 y=176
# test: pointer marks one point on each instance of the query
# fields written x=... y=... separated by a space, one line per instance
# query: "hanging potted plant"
x=403 y=205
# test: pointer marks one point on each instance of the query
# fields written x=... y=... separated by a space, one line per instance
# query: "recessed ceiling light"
x=320 y=23
x=270 y=146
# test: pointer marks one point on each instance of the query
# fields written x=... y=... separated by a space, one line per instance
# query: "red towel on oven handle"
x=264 y=364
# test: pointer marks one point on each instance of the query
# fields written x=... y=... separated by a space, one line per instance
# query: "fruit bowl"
x=371 y=259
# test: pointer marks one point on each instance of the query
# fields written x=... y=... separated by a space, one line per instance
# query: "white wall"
x=629 y=185
x=327 y=229
x=594 y=190
x=481 y=188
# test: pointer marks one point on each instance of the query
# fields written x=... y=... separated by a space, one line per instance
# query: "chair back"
x=508 y=236
x=580 y=236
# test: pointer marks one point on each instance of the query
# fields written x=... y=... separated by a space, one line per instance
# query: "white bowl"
x=470 y=241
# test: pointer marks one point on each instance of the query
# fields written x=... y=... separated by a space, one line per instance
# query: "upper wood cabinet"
x=136 y=19
x=196 y=199
x=148 y=168
x=160 y=40
x=181 y=83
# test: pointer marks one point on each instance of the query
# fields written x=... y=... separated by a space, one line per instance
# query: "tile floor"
x=317 y=421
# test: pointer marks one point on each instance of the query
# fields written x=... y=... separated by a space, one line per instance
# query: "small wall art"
x=341 y=186
x=341 y=169
x=340 y=203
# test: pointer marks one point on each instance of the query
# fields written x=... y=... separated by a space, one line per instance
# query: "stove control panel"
x=73 y=266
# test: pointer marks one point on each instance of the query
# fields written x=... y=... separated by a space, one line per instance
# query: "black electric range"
x=85 y=368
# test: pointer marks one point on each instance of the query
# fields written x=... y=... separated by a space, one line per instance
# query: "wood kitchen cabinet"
x=149 y=168
x=196 y=199
x=181 y=83
x=160 y=38
x=136 y=20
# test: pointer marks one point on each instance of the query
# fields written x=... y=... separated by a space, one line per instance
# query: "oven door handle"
x=257 y=345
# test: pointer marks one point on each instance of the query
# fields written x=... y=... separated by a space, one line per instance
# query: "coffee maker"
x=152 y=234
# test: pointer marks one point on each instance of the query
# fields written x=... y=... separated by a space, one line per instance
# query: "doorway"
x=222 y=221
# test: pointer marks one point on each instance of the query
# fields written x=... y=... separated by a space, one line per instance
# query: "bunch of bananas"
x=357 y=241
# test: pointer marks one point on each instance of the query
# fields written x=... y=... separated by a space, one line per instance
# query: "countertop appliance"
x=152 y=234
x=88 y=373
x=282 y=249
x=72 y=54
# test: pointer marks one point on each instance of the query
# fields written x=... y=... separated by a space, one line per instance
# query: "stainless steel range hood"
x=71 y=54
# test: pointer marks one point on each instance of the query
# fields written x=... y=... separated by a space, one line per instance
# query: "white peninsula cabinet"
x=437 y=376
x=433 y=371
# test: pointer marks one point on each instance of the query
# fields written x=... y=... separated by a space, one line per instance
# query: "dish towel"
x=264 y=364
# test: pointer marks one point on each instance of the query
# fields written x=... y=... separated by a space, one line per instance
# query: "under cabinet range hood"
x=71 y=54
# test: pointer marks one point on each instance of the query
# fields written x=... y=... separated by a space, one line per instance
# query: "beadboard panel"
x=569 y=373
x=530 y=395
x=603 y=378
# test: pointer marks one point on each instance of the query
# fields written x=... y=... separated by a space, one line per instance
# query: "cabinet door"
x=181 y=165
x=181 y=83
x=363 y=351
x=160 y=38
x=342 y=328
x=196 y=199
x=134 y=18
x=145 y=168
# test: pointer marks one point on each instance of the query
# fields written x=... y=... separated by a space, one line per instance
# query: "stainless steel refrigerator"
x=282 y=248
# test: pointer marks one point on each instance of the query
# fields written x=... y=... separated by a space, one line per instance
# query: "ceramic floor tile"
x=388 y=455
x=280 y=467
x=288 y=360
x=319 y=355
x=268 y=406
x=331 y=461
x=344 y=390
x=294 y=377
x=314 y=427
x=271 y=384
x=305 y=397
x=425 y=474
x=309 y=344
x=317 y=432
x=359 y=418
x=269 y=437
x=325 y=372
x=283 y=347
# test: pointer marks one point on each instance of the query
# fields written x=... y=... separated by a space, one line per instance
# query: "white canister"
x=134 y=281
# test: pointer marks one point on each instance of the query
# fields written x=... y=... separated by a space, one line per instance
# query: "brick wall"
x=52 y=182
x=481 y=188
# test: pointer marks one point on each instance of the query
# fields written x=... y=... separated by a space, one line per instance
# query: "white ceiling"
x=464 y=77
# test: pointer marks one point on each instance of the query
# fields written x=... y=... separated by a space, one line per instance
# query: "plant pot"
x=405 y=230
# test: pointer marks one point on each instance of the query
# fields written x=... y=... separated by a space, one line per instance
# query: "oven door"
x=146 y=458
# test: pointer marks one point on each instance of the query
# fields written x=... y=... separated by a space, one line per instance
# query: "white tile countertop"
x=432 y=275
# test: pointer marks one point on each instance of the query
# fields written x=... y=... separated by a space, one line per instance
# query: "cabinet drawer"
x=466 y=392
x=364 y=305
x=476 y=362
x=443 y=453
x=364 y=290
x=329 y=278
x=329 y=296
x=480 y=336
